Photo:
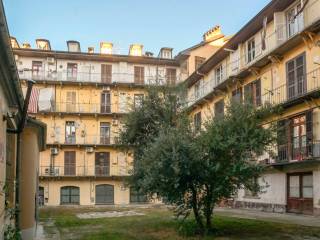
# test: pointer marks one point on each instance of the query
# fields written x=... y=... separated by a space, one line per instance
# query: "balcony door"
x=69 y=163
x=104 y=133
x=105 y=102
x=71 y=102
x=70 y=132
x=294 y=20
x=104 y=194
x=37 y=70
x=296 y=77
x=300 y=193
x=102 y=164
x=72 y=71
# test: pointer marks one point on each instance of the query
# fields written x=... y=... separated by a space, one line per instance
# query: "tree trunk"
x=196 y=210
x=208 y=208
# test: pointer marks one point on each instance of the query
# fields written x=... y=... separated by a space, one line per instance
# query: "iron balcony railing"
x=240 y=59
x=290 y=152
x=305 y=84
x=148 y=79
x=82 y=139
x=84 y=171
x=75 y=107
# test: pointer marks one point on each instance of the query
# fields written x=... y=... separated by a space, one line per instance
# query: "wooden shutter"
x=284 y=140
x=280 y=27
x=248 y=97
x=139 y=75
x=309 y=133
x=106 y=73
x=219 y=109
x=71 y=102
x=171 y=74
x=258 y=92
x=69 y=163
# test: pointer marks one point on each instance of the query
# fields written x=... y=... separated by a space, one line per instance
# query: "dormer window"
x=166 y=53
x=14 y=42
x=73 y=46
x=43 y=44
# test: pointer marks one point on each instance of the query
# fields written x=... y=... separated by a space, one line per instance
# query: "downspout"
x=18 y=131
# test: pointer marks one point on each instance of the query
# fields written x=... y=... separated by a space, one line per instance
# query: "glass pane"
x=307 y=181
x=294 y=181
x=75 y=191
x=307 y=192
x=64 y=199
x=74 y=199
x=294 y=192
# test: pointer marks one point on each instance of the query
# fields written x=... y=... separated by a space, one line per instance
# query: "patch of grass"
x=159 y=224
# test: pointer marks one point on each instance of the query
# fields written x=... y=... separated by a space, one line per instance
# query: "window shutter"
x=248 y=93
x=283 y=133
x=309 y=133
x=280 y=27
x=106 y=73
x=258 y=92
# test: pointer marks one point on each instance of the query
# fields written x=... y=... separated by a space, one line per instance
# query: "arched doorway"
x=104 y=194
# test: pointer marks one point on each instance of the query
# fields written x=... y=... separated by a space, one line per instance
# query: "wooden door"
x=300 y=193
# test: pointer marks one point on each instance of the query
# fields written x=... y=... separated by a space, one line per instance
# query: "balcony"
x=307 y=85
x=82 y=139
x=276 y=43
x=84 y=171
x=288 y=153
x=85 y=77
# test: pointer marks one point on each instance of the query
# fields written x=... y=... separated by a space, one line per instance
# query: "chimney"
x=43 y=44
x=14 y=42
x=90 y=49
x=212 y=34
x=149 y=54
x=135 y=50
x=106 y=48
x=166 y=53
x=26 y=45
x=73 y=46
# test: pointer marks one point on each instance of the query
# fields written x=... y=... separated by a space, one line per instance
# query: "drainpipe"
x=18 y=131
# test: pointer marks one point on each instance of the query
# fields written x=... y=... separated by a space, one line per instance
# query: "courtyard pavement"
x=289 y=218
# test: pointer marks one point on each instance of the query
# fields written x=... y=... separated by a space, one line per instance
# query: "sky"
x=154 y=23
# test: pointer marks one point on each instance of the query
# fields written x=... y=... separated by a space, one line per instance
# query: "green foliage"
x=194 y=171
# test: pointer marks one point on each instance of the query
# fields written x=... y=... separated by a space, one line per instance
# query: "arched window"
x=69 y=195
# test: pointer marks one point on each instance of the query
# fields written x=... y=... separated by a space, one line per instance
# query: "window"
x=296 y=71
x=138 y=99
x=105 y=102
x=104 y=133
x=219 y=74
x=69 y=195
x=137 y=196
x=252 y=193
x=197 y=122
x=184 y=67
x=106 y=73
x=171 y=76
x=237 y=95
x=219 y=109
x=70 y=132
x=102 y=164
x=198 y=61
x=72 y=71
x=197 y=90
x=71 y=102
x=251 y=50
x=294 y=20
x=138 y=75
x=69 y=163
x=252 y=93
x=36 y=69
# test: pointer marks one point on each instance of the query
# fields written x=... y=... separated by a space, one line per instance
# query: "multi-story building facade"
x=82 y=97
x=275 y=60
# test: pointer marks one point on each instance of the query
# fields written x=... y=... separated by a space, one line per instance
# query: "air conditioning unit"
x=89 y=149
x=50 y=60
x=115 y=122
x=54 y=151
x=106 y=88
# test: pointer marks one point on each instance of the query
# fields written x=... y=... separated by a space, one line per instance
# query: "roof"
x=95 y=57
x=251 y=28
